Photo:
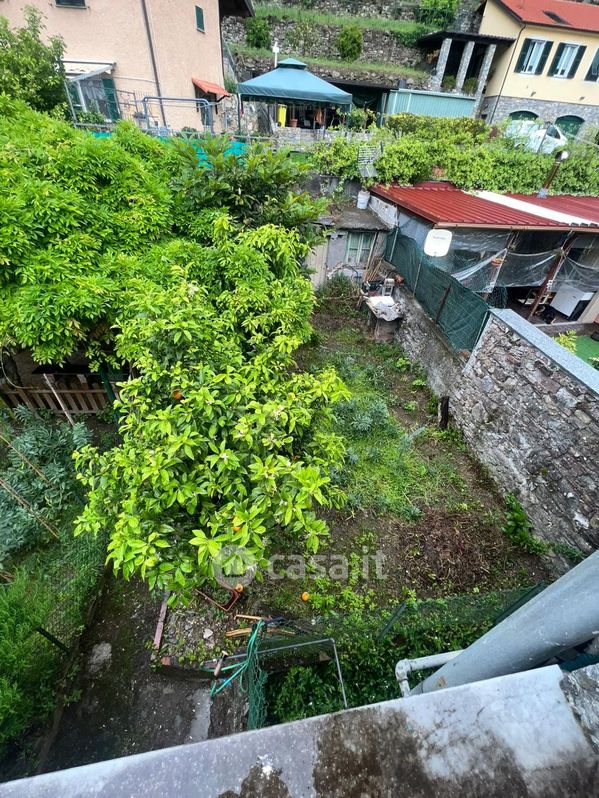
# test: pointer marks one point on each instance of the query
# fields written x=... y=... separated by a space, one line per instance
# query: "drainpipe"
x=407 y=666
x=507 y=71
x=144 y=11
x=564 y=615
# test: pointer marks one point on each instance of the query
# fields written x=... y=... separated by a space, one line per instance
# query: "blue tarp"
x=292 y=81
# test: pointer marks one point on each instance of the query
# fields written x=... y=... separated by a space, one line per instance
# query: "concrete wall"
x=504 y=82
x=530 y=412
x=533 y=734
x=114 y=31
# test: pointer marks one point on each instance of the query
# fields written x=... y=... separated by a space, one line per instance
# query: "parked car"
x=537 y=137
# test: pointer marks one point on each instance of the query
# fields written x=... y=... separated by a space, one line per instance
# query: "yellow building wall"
x=114 y=31
x=504 y=81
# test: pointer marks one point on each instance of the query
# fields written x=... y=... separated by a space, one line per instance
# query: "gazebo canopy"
x=292 y=81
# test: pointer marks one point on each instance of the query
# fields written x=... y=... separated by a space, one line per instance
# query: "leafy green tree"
x=349 y=42
x=30 y=69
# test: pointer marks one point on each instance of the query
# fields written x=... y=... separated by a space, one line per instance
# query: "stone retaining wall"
x=250 y=65
x=530 y=412
x=307 y=39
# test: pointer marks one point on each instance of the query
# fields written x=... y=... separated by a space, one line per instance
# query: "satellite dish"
x=437 y=243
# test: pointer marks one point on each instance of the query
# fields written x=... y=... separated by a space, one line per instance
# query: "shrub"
x=349 y=42
x=409 y=38
x=360 y=118
x=338 y=157
x=48 y=485
x=300 y=37
x=567 y=340
x=257 y=33
x=448 y=82
x=404 y=161
x=470 y=85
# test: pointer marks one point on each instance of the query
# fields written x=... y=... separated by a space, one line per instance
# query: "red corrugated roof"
x=555 y=13
x=587 y=207
x=448 y=206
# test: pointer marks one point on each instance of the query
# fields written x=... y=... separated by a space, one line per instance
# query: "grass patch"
x=272 y=11
x=586 y=348
x=356 y=66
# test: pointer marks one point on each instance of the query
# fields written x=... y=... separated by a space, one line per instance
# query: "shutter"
x=199 y=18
x=544 y=57
x=523 y=52
x=576 y=63
x=111 y=98
x=555 y=62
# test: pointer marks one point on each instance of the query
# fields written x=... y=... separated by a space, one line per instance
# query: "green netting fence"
x=349 y=660
x=457 y=310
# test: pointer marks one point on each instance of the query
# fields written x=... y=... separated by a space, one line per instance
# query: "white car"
x=536 y=136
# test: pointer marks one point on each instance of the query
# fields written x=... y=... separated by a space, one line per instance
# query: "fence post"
x=417 y=275
x=442 y=305
x=59 y=400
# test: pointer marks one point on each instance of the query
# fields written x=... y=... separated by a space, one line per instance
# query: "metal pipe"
x=407 y=666
x=144 y=11
x=564 y=615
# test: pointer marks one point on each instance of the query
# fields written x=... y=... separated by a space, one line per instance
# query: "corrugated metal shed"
x=430 y=103
x=447 y=206
x=568 y=203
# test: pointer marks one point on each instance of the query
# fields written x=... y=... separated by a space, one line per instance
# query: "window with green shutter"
x=593 y=73
x=200 y=18
x=567 y=60
x=533 y=56
x=72 y=3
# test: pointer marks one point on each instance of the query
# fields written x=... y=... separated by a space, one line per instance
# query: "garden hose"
x=240 y=669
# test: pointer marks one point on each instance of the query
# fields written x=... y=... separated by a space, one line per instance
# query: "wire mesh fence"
x=457 y=310
x=349 y=660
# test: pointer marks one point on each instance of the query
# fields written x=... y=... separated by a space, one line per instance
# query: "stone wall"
x=530 y=412
x=394 y=9
x=498 y=108
x=250 y=65
x=318 y=41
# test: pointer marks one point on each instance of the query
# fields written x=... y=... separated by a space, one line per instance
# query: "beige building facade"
x=128 y=58
x=549 y=68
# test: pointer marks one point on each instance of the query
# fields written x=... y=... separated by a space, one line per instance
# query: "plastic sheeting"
x=480 y=262
x=577 y=275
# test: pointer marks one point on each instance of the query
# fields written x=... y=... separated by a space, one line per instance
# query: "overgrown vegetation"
x=518 y=528
x=370 y=644
x=47 y=577
x=189 y=272
x=465 y=152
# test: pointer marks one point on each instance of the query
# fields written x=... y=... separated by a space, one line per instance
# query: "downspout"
x=507 y=71
x=144 y=11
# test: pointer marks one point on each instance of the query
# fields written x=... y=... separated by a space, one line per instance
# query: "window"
x=73 y=3
x=358 y=249
x=200 y=18
x=566 y=61
x=569 y=124
x=533 y=56
x=593 y=73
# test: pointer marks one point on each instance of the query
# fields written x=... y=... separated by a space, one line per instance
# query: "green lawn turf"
x=586 y=348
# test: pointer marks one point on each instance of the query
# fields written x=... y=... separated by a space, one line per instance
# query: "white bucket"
x=362 y=202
